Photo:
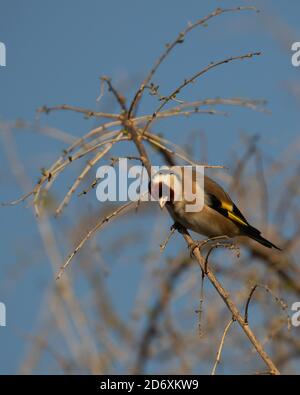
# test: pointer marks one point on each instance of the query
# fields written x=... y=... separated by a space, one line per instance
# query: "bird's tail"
x=255 y=234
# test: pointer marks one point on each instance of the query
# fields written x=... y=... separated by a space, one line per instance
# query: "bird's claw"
x=176 y=226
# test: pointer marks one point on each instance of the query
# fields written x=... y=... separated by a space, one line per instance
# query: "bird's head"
x=179 y=184
x=166 y=185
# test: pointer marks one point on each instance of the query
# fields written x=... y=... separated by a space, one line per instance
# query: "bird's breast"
x=206 y=222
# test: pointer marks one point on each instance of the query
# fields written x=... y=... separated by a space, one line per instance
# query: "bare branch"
x=218 y=359
x=90 y=233
x=188 y=81
x=179 y=40
x=88 y=113
x=230 y=304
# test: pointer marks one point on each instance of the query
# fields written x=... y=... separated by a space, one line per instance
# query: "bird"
x=218 y=216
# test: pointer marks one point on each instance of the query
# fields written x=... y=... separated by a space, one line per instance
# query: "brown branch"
x=137 y=138
x=279 y=301
x=248 y=302
x=230 y=304
x=188 y=81
x=119 y=97
x=156 y=141
x=87 y=112
x=235 y=101
x=84 y=172
x=218 y=359
x=178 y=40
x=90 y=233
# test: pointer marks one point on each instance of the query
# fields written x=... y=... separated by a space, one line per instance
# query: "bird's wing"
x=219 y=200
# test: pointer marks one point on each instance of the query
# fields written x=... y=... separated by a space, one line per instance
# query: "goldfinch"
x=218 y=215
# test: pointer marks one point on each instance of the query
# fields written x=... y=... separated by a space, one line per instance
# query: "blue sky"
x=56 y=52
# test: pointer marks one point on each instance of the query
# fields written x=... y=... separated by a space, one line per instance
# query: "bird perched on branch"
x=198 y=203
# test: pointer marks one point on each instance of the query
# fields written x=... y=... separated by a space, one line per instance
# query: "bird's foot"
x=177 y=226
x=173 y=229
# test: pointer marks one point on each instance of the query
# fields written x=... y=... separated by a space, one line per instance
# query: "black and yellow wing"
x=217 y=199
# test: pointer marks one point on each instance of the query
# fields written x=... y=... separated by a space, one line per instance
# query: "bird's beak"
x=162 y=201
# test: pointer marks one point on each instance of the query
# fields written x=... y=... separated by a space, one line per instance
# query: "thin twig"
x=188 y=81
x=87 y=112
x=248 y=302
x=278 y=300
x=218 y=359
x=84 y=172
x=164 y=244
x=90 y=233
x=156 y=141
x=119 y=97
x=178 y=40
x=230 y=304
